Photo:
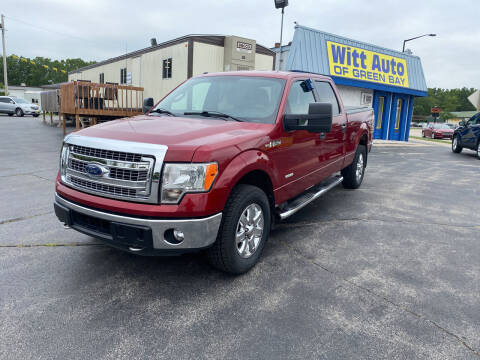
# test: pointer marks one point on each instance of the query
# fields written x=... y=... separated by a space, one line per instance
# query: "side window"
x=475 y=120
x=3 y=100
x=327 y=95
x=299 y=100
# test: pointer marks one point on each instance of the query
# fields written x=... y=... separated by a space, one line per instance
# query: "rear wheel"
x=456 y=148
x=10 y=114
x=19 y=112
x=244 y=230
x=478 y=149
x=353 y=174
x=423 y=133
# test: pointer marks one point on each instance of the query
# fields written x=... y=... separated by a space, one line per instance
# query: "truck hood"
x=182 y=135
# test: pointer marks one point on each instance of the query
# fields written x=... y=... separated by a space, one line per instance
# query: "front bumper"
x=30 y=111
x=139 y=235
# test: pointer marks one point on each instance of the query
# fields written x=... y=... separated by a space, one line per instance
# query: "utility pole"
x=5 y=78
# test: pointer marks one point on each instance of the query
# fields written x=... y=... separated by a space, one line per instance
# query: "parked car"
x=451 y=126
x=213 y=165
x=467 y=135
x=12 y=105
x=437 y=131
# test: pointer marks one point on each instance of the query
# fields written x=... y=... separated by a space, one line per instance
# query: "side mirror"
x=461 y=123
x=319 y=119
x=147 y=105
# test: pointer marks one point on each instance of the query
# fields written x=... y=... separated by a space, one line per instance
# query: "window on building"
x=399 y=114
x=326 y=95
x=298 y=100
x=167 y=68
x=123 y=76
x=381 y=104
x=101 y=79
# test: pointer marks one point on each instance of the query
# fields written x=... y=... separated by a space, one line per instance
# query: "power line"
x=54 y=31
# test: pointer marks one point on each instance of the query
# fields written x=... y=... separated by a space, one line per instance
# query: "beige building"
x=161 y=67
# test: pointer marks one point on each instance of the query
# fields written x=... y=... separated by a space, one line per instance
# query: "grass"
x=430 y=139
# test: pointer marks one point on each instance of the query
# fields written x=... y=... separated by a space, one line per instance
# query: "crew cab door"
x=297 y=154
x=470 y=132
x=333 y=142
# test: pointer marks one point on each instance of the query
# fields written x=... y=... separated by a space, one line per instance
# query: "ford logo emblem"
x=94 y=170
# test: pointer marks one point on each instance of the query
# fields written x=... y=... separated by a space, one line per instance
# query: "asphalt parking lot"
x=387 y=271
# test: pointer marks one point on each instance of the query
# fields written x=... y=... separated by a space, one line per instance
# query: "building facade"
x=366 y=75
x=161 y=67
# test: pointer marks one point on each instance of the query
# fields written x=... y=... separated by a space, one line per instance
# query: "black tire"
x=455 y=147
x=423 y=134
x=19 y=112
x=10 y=114
x=478 y=149
x=35 y=115
x=352 y=180
x=225 y=254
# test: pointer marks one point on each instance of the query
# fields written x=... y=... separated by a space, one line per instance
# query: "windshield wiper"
x=210 y=113
x=162 y=111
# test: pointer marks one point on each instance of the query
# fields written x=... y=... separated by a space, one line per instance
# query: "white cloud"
x=96 y=29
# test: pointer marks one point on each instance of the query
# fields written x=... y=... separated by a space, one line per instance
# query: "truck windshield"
x=244 y=98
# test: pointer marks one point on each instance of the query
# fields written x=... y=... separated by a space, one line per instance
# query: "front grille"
x=107 y=154
x=103 y=188
x=113 y=168
x=126 y=174
x=115 y=173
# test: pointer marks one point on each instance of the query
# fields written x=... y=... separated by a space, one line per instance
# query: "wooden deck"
x=92 y=102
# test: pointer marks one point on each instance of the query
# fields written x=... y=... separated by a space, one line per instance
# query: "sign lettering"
x=360 y=64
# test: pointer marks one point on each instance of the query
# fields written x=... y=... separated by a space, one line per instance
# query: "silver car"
x=11 y=105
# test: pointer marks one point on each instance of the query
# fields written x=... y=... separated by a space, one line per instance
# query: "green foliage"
x=448 y=99
x=20 y=71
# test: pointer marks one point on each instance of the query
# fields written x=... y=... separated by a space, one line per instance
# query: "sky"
x=100 y=29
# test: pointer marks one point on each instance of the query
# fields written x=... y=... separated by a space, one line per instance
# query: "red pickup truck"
x=213 y=165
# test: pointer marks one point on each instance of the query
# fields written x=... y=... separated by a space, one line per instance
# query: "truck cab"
x=213 y=165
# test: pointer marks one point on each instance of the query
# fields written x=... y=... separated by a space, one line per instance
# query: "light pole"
x=416 y=37
x=5 y=76
x=280 y=4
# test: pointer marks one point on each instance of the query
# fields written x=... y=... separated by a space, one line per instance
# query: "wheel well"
x=261 y=180
x=364 y=141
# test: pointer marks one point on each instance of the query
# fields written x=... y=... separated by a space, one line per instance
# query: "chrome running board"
x=307 y=197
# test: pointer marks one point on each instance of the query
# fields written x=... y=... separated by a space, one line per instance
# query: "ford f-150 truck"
x=213 y=165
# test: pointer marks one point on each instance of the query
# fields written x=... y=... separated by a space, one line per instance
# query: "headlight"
x=179 y=179
x=63 y=161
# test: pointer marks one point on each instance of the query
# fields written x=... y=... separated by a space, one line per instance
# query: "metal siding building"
x=188 y=56
x=393 y=105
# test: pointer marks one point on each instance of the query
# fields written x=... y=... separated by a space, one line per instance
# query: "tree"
x=39 y=71
x=448 y=99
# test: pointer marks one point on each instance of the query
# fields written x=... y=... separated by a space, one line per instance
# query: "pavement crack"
x=27 y=173
x=49 y=245
x=384 y=298
x=391 y=220
x=8 y=221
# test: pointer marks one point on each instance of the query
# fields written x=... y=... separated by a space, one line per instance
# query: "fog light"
x=178 y=235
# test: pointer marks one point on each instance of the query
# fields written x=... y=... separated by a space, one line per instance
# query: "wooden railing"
x=93 y=100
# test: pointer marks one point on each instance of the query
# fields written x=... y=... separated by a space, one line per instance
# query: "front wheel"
x=19 y=112
x=456 y=148
x=353 y=174
x=243 y=232
x=478 y=149
x=433 y=135
x=35 y=115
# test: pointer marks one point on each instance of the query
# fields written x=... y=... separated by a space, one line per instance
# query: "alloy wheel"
x=249 y=230
x=360 y=167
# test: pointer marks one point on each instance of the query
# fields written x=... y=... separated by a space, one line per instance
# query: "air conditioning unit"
x=239 y=54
